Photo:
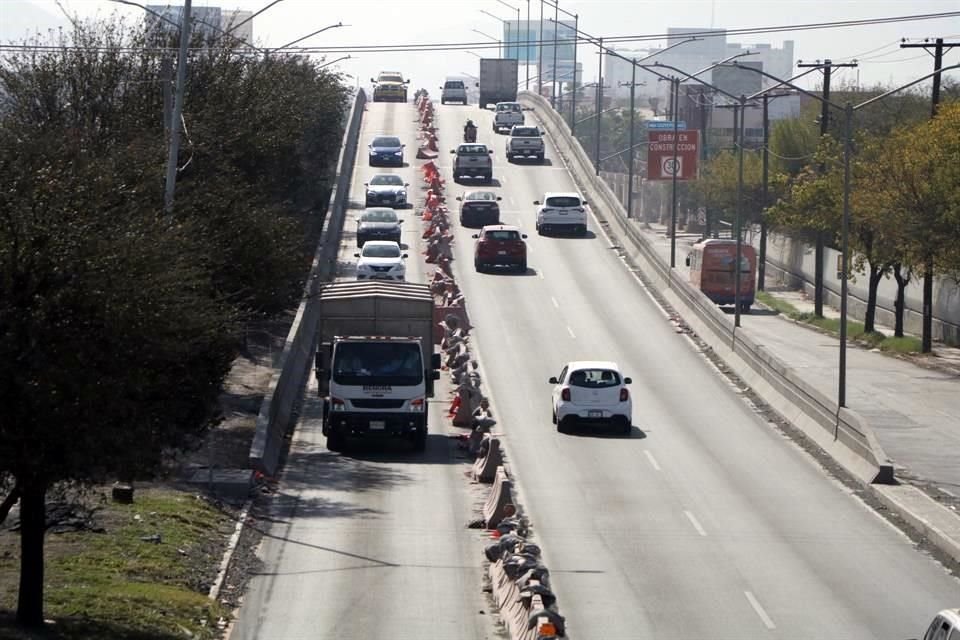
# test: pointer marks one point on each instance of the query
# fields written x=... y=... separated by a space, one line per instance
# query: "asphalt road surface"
x=705 y=522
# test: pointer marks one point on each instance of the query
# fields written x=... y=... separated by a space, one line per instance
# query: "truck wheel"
x=420 y=441
x=335 y=441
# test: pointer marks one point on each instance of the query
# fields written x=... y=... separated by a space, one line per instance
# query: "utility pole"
x=827 y=67
x=633 y=87
x=926 y=339
x=540 y=54
x=675 y=116
x=553 y=76
x=526 y=46
x=573 y=103
x=175 y=125
x=599 y=100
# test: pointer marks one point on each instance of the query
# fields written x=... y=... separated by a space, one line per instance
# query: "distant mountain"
x=20 y=19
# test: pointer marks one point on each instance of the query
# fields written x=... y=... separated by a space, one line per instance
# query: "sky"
x=422 y=21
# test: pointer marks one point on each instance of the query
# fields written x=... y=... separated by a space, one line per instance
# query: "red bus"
x=711 y=271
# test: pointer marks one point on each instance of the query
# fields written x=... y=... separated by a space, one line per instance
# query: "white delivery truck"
x=375 y=363
x=498 y=81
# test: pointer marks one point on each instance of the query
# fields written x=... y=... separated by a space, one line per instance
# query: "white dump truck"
x=375 y=364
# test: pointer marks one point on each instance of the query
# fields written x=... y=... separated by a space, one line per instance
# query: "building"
x=694 y=56
x=212 y=22
x=520 y=38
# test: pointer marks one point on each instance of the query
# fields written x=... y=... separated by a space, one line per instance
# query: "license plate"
x=595 y=414
x=378 y=425
x=501 y=253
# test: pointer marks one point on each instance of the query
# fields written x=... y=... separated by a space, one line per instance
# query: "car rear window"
x=526 y=132
x=594 y=378
x=508 y=106
x=453 y=84
x=472 y=149
x=481 y=195
x=386 y=142
x=502 y=236
x=563 y=201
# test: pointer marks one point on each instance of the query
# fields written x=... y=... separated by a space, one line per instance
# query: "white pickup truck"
x=507 y=115
x=525 y=142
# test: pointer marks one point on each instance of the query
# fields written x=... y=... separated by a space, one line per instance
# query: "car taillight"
x=336 y=404
x=417 y=404
x=565 y=395
x=624 y=395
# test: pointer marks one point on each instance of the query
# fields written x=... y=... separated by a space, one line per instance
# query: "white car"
x=561 y=212
x=945 y=626
x=592 y=392
x=381 y=260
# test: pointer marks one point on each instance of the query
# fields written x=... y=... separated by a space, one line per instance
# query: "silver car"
x=387 y=190
x=378 y=223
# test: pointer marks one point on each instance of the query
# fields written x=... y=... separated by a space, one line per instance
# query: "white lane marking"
x=696 y=524
x=554 y=301
x=767 y=622
x=572 y=335
x=653 y=461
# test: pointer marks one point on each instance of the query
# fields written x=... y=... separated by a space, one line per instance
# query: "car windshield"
x=371 y=250
x=386 y=141
x=481 y=195
x=472 y=149
x=388 y=179
x=453 y=84
x=563 y=201
x=502 y=235
x=390 y=78
x=508 y=106
x=379 y=215
x=594 y=378
x=526 y=132
x=378 y=363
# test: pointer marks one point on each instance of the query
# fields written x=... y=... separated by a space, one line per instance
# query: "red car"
x=500 y=245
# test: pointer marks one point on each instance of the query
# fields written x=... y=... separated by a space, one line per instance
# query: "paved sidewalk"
x=914 y=410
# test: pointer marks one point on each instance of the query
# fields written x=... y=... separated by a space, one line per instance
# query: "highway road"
x=704 y=523
x=372 y=543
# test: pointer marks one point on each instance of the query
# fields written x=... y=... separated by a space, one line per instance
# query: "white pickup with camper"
x=375 y=364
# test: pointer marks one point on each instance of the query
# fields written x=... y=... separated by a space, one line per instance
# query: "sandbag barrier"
x=520 y=582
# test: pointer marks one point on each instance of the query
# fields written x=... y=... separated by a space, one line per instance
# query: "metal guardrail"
x=844 y=426
x=278 y=404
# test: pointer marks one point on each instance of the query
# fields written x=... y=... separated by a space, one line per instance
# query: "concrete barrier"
x=500 y=502
x=278 y=404
x=843 y=433
x=485 y=468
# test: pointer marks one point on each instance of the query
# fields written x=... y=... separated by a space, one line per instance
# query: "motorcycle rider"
x=468 y=129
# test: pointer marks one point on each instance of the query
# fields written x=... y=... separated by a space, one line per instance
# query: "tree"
x=717 y=186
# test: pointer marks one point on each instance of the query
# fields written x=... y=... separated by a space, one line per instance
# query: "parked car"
x=944 y=626
x=386 y=150
x=453 y=90
x=591 y=392
x=389 y=86
x=525 y=142
x=500 y=245
x=507 y=115
x=378 y=223
x=472 y=161
x=561 y=212
x=381 y=260
x=479 y=208
x=387 y=189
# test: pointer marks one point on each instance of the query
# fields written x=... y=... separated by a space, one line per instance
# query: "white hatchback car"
x=945 y=626
x=381 y=260
x=561 y=212
x=592 y=392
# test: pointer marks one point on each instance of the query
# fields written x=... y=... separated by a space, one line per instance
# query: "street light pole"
x=553 y=76
x=573 y=103
x=599 y=102
x=540 y=54
x=739 y=215
x=175 y=125
x=674 y=108
x=633 y=85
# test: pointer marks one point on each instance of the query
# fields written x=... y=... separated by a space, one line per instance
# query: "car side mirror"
x=628 y=381
x=523 y=235
x=404 y=256
x=406 y=184
x=407 y=81
x=687 y=261
x=356 y=255
x=373 y=81
x=459 y=198
x=553 y=381
x=453 y=150
x=489 y=150
x=476 y=235
x=399 y=221
x=536 y=202
x=584 y=202
x=402 y=146
x=499 y=198
x=366 y=184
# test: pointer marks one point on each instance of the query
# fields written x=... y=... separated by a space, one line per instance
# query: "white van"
x=453 y=90
x=945 y=626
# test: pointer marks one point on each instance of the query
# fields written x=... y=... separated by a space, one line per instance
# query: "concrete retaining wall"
x=843 y=433
x=278 y=404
